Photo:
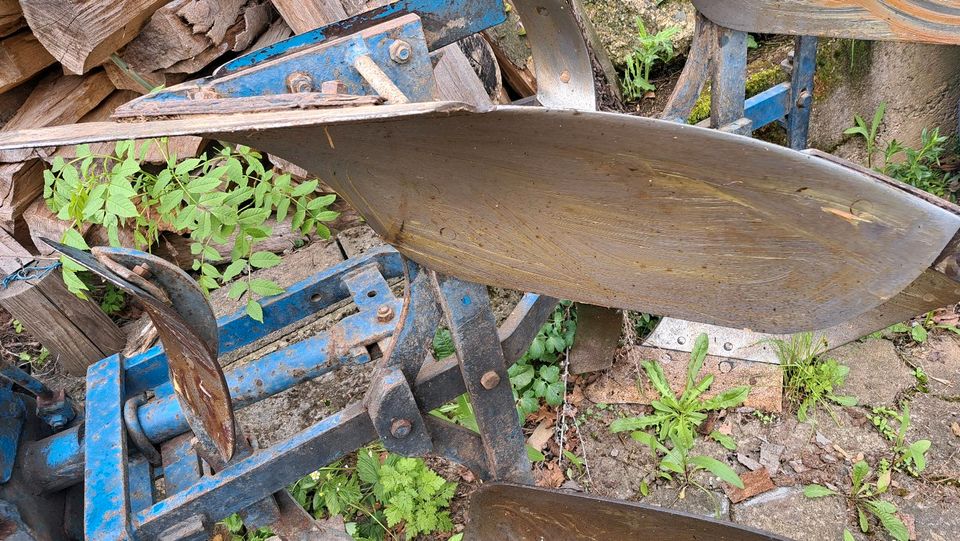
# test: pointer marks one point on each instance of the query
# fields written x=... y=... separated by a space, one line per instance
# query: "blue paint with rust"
x=106 y=500
x=444 y=22
x=12 y=413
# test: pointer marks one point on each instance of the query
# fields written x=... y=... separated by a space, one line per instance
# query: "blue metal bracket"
x=12 y=414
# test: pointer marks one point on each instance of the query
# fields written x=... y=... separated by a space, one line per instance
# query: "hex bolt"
x=489 y=380
x=384 y=313
x=400 y=51
x=727 y=346
x=400 y=428
x=803 y=100
x=142 y=270
x=333 y=87
x=681 y=340
x=299 y=82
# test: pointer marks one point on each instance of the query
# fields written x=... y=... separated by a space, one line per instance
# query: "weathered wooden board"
x=612 y=210
x=922 y=21
x=11 y=17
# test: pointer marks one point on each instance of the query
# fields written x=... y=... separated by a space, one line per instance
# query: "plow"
x=716 y=231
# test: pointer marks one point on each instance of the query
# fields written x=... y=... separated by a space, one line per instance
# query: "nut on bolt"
x=400 y=428
x=299 y=82
x=489 y=380
x=400 y=51
x=384 y=313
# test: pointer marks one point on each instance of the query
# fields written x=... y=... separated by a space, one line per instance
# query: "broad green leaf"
x=843 y=400
x=170 y=200
x=649 y=440
x=644 y=489
x=264 y=260
x=237 y=290
x=554 y=393
x=550 y=373
x=73 y=238
x=818 y=491
x=859 y=473
x=720 y=469
x=724 y=440
x=304 y=188
x=534 y=454
x=523 y=377
x=697 y=356
x=73 y=282
x=202 y=185
x=264 y=287
x=729 y=398
x=234 y=269
x=657 y=378
x=847 y=536
x=254 y=310
x=918 y=333
x=625 y=424
x=122 y=207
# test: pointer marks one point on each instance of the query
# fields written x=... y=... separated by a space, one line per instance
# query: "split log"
x=182 y=147
x=277 y=32
x=42 y=222
x=12 y=100
x=58 y=99
x=184 y=37
x=21 y=57
x=176 y=248
x=305 y=16
x=11 y=17
x=75 y=331
x=20 y=184
x=82 y=34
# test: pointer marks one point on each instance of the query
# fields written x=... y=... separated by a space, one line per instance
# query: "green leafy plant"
x=908 y=457
x=536 y=375
x=650 y=49
x=37 y=361
x=868 y=133
x=443 y=344
x=809 y=379
x=920 y=167
x=865 y=498
x=113 y=300
x=17 y=326
x=223 y=199
x=675 y=420
x=234 y=525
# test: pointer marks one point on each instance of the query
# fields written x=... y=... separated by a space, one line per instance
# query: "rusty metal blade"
x=918 y=21
x=600 y=208
x=194 y=372
x=521 y=513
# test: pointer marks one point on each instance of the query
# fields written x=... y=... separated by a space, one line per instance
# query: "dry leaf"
x=955 y=427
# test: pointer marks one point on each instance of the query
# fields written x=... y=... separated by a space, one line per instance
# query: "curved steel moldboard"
x=197 y=378
x=919 y=21
x=522 y=513
x=607 y=209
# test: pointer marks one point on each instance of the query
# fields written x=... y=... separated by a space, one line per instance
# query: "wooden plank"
x=11 y=17
x=76 y=331
x=82 y=34
x=919 y=21
x=182 y=147
x=567 y=204
x=21 y=57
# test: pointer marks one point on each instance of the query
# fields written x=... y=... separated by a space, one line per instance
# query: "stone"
x=748 y=462
x=616 y=27
x=940 y=359
x=770 y=454
x=784 y=510
x=754 y=483
x=798 y=466
x=930 y=419
x=877 y=375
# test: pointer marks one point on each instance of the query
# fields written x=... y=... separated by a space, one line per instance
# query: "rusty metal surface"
x=598 y=333
x=920 y=21
x=606 y=209
x=196 y=376
x=521 y=513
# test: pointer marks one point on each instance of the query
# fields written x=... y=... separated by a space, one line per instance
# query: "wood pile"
x=70 y=61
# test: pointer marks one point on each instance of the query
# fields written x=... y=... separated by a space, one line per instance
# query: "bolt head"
x=489 y=380
x=384 y=313
x=333 y=87
x=400 y=51
x=400 y=428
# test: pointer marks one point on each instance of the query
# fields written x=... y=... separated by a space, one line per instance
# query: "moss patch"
x=756 y=83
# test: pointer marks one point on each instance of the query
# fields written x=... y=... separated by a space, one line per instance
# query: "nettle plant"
x=536 y=376
x=221 y=199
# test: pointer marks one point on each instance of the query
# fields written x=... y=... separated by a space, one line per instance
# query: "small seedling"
x=809 y=380
x=908 y=457
x=17 y=326
x=865 y=498
x=651 y=48
x=869 y=133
